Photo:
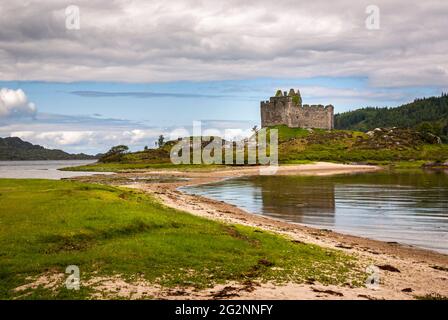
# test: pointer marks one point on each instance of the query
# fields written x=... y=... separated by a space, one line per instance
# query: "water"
x=45 y=169
x=410 y=208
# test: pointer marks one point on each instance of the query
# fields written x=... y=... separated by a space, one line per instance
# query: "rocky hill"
x=425 y=115
x=378 y=145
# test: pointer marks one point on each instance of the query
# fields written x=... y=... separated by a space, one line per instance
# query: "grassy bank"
x=384 y=147
x=107 y=231
x=126 y=166
x=400 y=147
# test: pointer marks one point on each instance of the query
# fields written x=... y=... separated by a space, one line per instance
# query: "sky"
x=127 y=71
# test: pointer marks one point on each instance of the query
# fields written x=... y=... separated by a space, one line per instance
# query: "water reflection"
x=407 y=207
x=301 y=202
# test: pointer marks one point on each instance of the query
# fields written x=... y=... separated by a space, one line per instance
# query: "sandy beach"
x=405 y=272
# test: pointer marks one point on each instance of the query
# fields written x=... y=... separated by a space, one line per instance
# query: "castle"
x=286 y=108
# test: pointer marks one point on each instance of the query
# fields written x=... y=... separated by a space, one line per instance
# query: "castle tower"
x=287 y=109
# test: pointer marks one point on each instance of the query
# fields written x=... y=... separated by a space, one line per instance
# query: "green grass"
x=124 y=166
x=47 y=225
x=340 y=152
x=298 y=146
x=285 y=133
x=344 y=146
x=405 y=165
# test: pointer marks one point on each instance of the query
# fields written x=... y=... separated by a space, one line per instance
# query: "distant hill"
x=16 y=149
x=426 y=115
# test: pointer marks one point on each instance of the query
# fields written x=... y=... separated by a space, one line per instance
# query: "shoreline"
x=405 y=271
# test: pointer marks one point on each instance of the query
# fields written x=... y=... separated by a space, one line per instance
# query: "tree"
x=146 y=148
x=433 y=128
x=428 y=115
x=114 y=154
x=161 y=141
x=120 y=149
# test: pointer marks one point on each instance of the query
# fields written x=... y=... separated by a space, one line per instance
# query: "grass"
x=47 y=225
x=352 y=146
x=402 y=149
x=432 y=296
x=125 y=166
x=398 y=165
x=286 y=133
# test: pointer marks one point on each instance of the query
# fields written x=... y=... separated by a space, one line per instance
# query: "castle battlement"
x=286 y=108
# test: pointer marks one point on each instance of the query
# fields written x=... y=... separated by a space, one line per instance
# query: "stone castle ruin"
x=287 y=109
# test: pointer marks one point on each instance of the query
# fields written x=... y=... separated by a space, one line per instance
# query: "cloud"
x=88 y=138
x=59 y=138
x=89 y=141
x=81 y=133
x=14 y=103
x=136 y=94
x=141 y=41
x=94 y=135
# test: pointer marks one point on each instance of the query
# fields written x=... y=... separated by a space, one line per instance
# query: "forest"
x=425 y=115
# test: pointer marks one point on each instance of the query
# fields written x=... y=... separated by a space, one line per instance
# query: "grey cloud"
x=141 y=41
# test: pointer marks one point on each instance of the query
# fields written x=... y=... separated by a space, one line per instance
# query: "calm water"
x=409 y=208
x=41 y=169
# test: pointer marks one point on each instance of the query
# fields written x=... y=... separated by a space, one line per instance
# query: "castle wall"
x=283 y=110
x=274 y=112
x=312 y=117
